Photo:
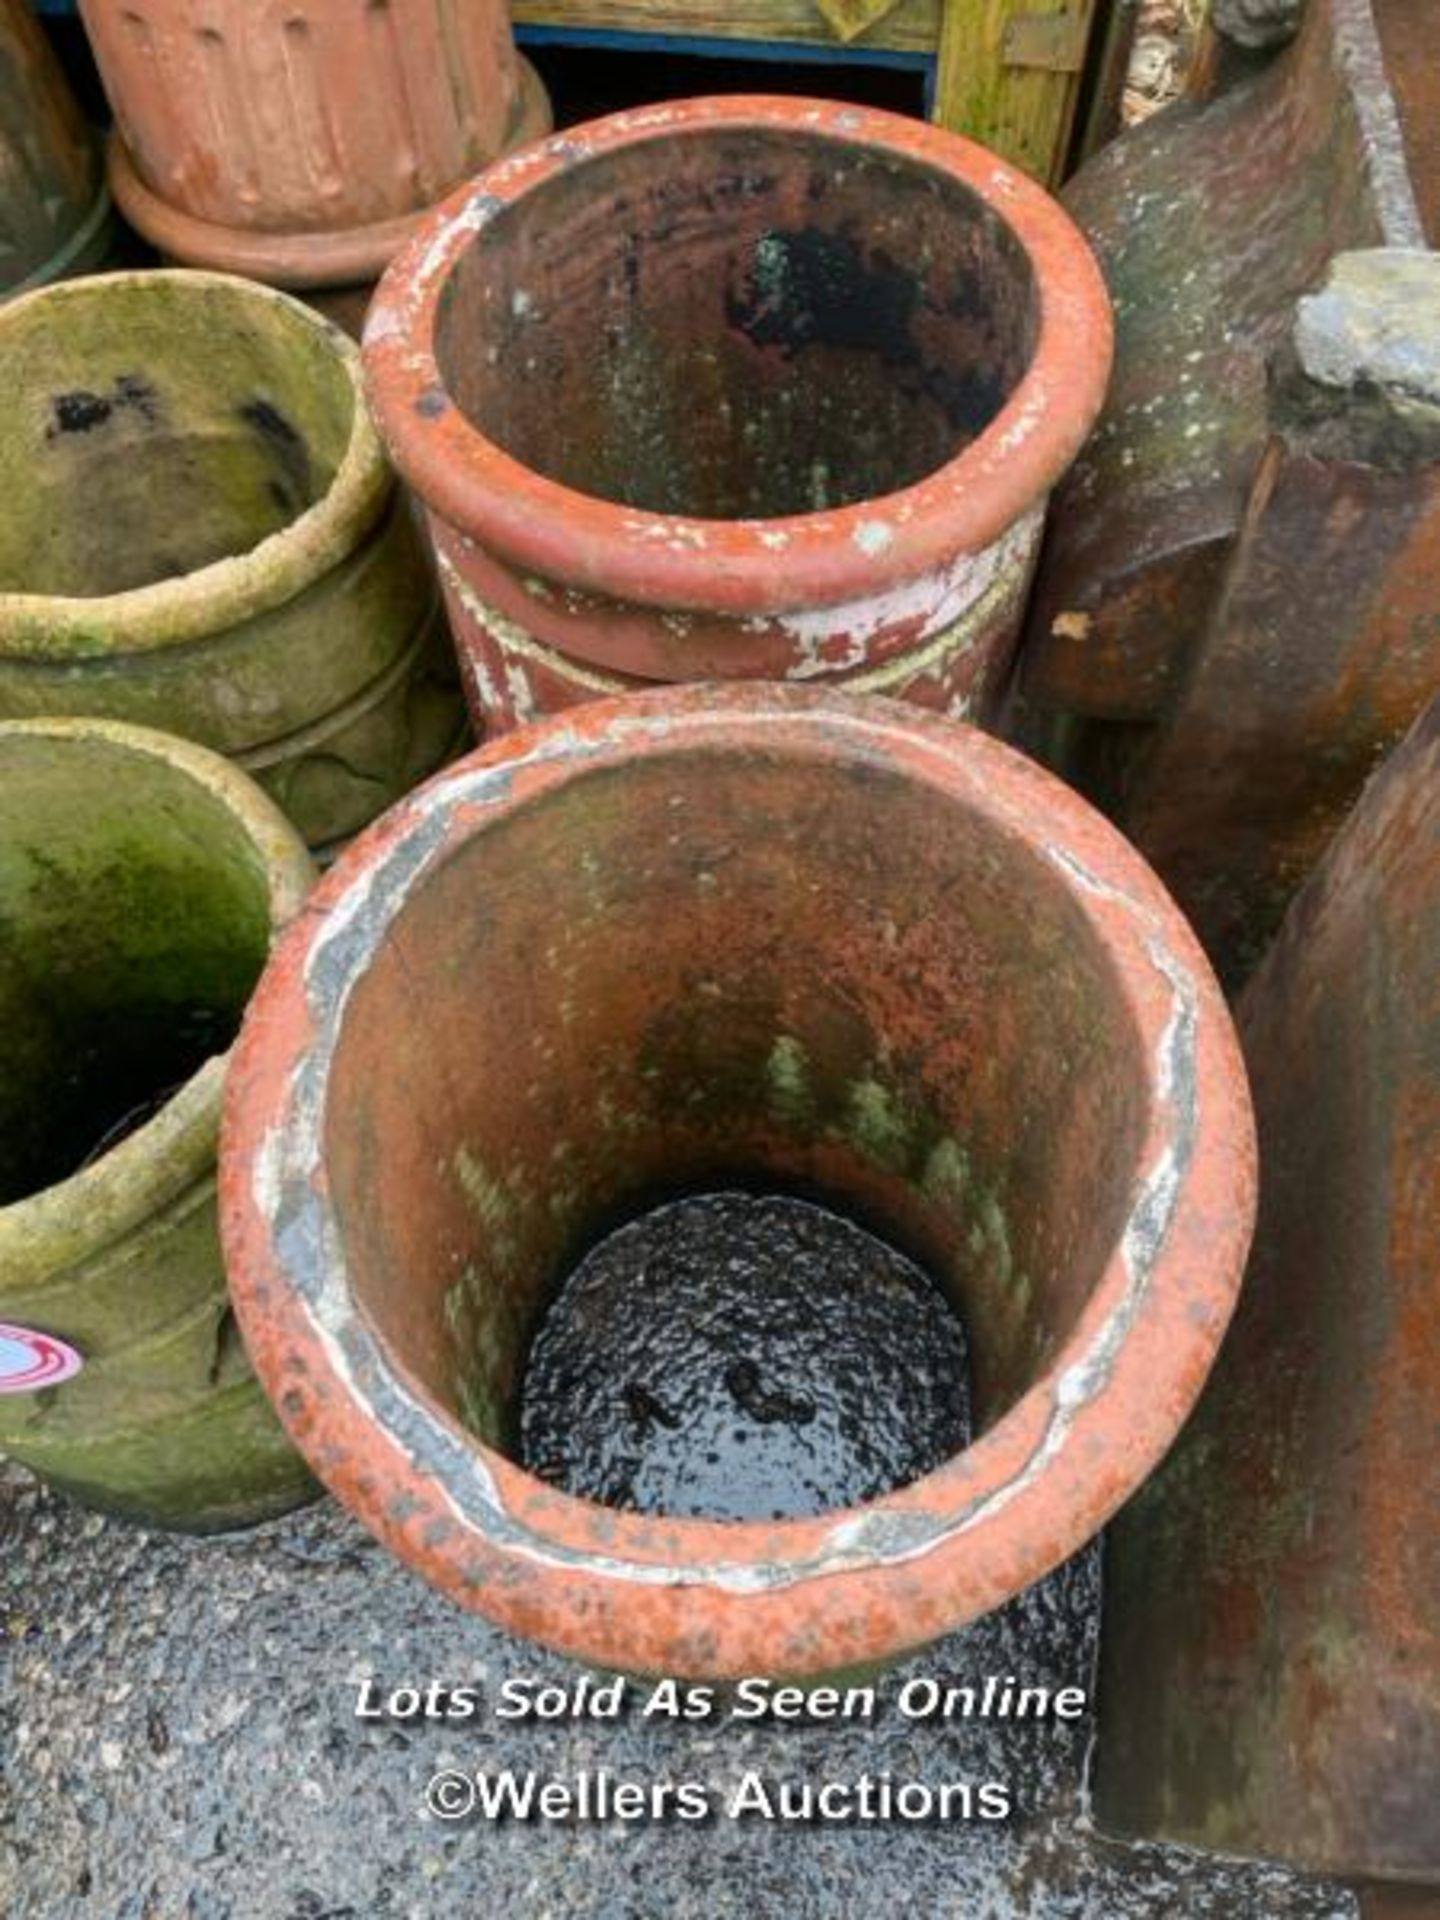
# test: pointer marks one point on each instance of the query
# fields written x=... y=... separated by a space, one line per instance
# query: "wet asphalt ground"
x=179 y=1741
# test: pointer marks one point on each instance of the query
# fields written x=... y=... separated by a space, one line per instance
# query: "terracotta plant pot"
x=201 y=534
x=1271 y=1681
x=739 y=388
x=141 y=882
x=55 y=216
x=698 y=934
x=301 y=141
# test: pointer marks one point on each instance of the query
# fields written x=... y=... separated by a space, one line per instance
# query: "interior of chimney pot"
x=136 y=922
x=738 y=323
x=150 y=429
x=729 y=969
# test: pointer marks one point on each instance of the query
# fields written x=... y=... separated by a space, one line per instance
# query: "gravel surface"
x=179 y=1741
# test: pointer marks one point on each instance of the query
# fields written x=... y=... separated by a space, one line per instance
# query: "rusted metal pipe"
x=661 y=942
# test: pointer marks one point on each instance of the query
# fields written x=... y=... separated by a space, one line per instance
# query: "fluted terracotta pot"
x=55 y=216
x=141 y=882
x=300 y=141
x=703 y=933
x=739 y=388
x=201 y=534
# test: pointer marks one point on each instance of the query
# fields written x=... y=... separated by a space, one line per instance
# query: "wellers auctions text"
x=919 y=1698
x=599 y=1796
x=497 y=1793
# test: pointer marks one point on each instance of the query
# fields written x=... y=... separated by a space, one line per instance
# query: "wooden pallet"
x=1006 y=72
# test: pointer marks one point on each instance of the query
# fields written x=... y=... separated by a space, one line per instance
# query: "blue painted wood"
x=698 y=46
x=707 y=47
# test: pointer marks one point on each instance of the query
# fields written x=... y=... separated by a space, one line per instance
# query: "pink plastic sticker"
x=29 y=1360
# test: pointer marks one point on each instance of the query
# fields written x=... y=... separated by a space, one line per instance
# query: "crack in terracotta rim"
x=56 y=628
x=984 y=1514
x=752 y=565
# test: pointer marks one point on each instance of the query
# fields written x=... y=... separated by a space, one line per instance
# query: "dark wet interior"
x=134 y=921
x=735 y=1356
x=729 y=971
x=771 y=324
x=159 y=434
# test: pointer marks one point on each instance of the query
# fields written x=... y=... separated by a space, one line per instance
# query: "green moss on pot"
x=201 y=534
x=142 y=880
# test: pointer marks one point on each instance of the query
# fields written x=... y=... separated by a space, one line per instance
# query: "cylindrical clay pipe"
x=669 y=941
x=739 y=388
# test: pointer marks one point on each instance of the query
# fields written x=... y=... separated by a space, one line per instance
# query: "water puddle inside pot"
x=731 y=1356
